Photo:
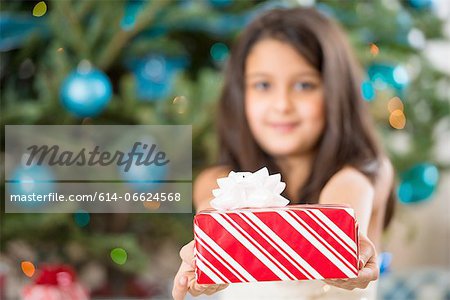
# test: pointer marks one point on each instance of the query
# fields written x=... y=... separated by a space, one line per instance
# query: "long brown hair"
x=348 y=137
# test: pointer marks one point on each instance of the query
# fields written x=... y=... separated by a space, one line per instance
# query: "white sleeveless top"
x=294 y=290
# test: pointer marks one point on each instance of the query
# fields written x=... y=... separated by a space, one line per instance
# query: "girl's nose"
x=282 y=103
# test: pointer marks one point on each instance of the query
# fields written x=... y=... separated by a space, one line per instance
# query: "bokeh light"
x=181 y=104
x=395 y=104
x=152 y=205
x=418 y=183
x=82 y=218
x=28 y=268
x=219 y=52
x=40 y=9
x=397 y=119
x=367 y=90
x=385 y=262
x=119 y=256
x=374 y=50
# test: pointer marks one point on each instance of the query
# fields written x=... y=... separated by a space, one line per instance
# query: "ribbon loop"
x=246 y=189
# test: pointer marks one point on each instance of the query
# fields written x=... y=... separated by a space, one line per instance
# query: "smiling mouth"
x=284 y=127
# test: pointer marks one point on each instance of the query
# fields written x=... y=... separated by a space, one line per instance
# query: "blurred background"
x=161 y=62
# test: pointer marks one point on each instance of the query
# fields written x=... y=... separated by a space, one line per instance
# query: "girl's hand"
x=368 y=267
x=185 y=279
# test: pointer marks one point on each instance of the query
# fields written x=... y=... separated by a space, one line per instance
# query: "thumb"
x=180 y=288
x=187 y=253
x=366 y=251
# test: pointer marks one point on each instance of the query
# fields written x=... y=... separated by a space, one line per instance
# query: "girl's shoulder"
x=380 y=187
x=367 y=197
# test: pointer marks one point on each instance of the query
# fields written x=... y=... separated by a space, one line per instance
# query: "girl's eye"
x=262 y=85
x=302 y=85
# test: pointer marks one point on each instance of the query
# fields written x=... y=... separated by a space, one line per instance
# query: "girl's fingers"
x=187 y=253
x=368 y=268
x=215 y=288
x=196 y=289
x=366 y=251
x=349 y=284
x=222 y=286
x=211 y=290
x=181 y=281
x=369 y=273
x=180 y=288
x=184 y=281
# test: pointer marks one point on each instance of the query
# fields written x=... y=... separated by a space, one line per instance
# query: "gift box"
x=294 y=242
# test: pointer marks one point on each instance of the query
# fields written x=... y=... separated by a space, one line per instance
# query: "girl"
x=291 y=102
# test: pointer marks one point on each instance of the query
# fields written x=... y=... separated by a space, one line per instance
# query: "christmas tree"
x=161 y=62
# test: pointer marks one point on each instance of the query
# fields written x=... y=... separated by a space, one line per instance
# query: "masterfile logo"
x=99 y=168
x=96 y=157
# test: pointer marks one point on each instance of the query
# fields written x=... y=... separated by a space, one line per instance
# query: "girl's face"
x=284 y=99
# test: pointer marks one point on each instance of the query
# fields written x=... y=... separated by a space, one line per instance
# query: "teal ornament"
x=367 y=90
x=82 y=218
x=86 y=93
x=131 y=12
x=155 y=75
x=219 y=52
x=140 y=177
x=418 y=183
x=420 y=4
x=220 y=3
x=29 y=180
x=386 y=75
x=17 y=29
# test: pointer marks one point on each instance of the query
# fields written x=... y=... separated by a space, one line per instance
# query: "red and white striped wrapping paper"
x=296 y=242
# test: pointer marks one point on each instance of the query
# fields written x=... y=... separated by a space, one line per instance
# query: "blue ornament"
x=26 y=180
x=418 y=183
x=85 y=93
x=132 y=9
x=219 y=52
x=220 y=3
x=384 y=75
x=17 y=29
x=142 y=178
x=385 y=265
x=420 y=4
x=367 y=90
x=155 y=75
x=82 y=217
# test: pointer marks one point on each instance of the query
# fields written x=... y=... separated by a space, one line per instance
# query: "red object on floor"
x=55 y=282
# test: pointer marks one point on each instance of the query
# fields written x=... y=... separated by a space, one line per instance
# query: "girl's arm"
x=349 y=186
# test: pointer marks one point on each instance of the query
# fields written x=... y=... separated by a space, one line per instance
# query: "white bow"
x=246 y=189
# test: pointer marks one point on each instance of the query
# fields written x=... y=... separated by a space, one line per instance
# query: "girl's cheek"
x=255 y=111
x=313 y=109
